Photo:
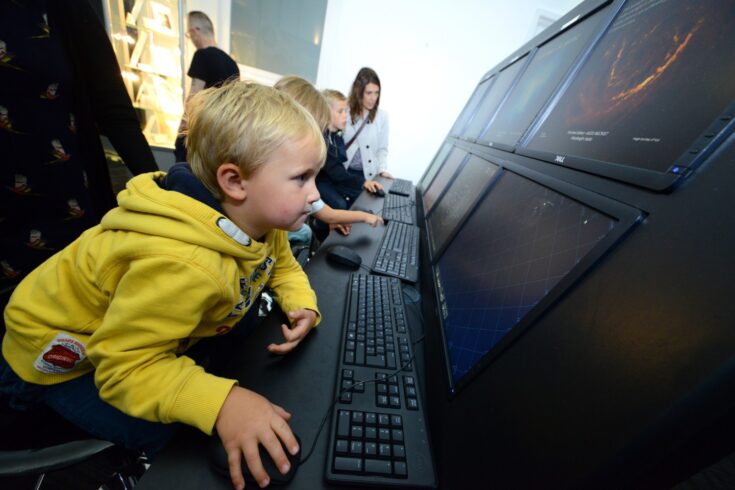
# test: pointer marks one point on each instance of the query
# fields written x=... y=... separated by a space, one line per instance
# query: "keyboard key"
x=384 y=434
x=378 y=467
x=399 y=451
x=397 y=435
x=342 y=446
x=343 y=423
x=384 y=450
x=356 y=448
x=350 y=465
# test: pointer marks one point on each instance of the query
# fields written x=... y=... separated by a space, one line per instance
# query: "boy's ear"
x=231 y=181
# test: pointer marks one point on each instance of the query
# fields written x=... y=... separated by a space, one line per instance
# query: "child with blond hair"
x=312 y=100
x=100 y=332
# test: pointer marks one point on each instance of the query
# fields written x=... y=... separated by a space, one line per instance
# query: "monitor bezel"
x=627 y=217
x=579 y=59
x=523 y=58
x=459 y=125
x=435 y=253
x=660 y=181
x=447 y=143
x=460 y=166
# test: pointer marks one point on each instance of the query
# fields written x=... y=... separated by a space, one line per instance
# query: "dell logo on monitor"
x=559 y=159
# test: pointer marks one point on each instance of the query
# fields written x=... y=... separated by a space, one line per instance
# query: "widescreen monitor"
x=653 y=98
x=543 y=75
x=469 y=109
x=522 y=247
x=443 y=177
x=436 y=163
x=458 y=201
x=486 y=109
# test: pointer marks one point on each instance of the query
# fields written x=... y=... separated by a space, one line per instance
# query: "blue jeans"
x=78 y=400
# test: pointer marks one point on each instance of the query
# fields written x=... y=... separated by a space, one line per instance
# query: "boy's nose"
x=313 y=195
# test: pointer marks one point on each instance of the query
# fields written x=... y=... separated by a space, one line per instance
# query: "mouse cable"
x=351 y=388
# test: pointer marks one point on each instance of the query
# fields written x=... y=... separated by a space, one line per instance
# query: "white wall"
x=429 y=55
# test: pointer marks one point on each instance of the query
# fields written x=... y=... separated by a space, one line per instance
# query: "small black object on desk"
x=218 y=459
x=339 y=254
x=379 y=193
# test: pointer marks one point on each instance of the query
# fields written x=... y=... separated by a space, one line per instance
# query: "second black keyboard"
x=398 y=255
x=399 y=208
x=402 y=187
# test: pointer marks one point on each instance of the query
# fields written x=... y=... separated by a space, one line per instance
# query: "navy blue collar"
x=181 y=179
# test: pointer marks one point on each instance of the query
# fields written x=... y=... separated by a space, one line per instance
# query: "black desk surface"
x=302 y=382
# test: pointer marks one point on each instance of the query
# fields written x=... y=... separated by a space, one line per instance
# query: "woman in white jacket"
x=366 y=134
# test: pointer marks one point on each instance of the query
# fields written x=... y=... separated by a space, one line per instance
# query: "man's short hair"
x=202 y=21
x=243 y=123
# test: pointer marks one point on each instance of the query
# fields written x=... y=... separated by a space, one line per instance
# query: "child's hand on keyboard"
x=302 y=321
x=371 y=219
x=246 y=419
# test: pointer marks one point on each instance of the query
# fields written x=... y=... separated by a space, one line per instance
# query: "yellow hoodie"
x=130 y=295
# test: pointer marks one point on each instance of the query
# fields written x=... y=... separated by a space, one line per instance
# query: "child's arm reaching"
x=340 y=216
x=247 y=419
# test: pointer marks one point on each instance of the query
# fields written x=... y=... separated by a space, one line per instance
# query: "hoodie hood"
x=178 y=206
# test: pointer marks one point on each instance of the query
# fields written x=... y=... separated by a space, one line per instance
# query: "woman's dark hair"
x=354 y=101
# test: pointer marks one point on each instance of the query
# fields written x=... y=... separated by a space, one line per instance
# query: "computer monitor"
x=443 y=177
x=545 y=71
x=652 y=100
x=522 y=247
x=486 y=109
x=469 y=109
x=436 y=163
x=458 y=201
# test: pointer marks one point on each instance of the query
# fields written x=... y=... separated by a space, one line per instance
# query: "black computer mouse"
x=218 y=459
x=339 y=254
x=379 y=193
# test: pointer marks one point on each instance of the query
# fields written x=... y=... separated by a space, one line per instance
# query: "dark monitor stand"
x=302 y=382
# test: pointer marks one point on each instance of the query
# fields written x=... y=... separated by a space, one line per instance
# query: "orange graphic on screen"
x=637 y=64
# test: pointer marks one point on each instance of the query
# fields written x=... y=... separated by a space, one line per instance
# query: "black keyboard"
x=398 y=255
x=399 y=208
x=379 y=433
x=402 y=187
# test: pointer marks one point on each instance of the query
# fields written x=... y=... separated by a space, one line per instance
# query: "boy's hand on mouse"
x=247 y=419
x=302 y=321
x=372 y=186
x=372 y=219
